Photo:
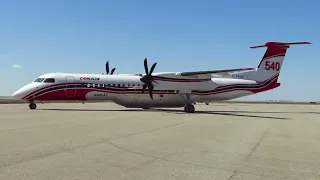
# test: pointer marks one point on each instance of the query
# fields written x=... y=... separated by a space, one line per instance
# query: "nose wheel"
x=32 y=105
x=189 y=108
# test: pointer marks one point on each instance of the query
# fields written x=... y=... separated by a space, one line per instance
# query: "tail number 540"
x=272 y=65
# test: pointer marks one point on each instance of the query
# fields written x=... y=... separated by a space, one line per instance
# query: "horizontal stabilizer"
x=272 y=44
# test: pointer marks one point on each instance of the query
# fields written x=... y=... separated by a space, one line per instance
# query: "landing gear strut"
x=32 y=105
x=189 y=108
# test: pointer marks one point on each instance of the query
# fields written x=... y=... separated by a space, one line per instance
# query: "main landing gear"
x=32 y=105
x=189 y=108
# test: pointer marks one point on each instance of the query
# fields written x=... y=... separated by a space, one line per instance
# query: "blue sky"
x=79 y=36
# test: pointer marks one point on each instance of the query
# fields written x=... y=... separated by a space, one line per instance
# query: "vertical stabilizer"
x=272 y=61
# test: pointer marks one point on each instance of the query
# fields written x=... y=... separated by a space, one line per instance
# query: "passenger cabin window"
x=49 y=80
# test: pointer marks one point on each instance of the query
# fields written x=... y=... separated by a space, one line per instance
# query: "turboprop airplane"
x=162 y=89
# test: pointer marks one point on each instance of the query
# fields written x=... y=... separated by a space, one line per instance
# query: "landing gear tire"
x=32 y=106
x=189 y=108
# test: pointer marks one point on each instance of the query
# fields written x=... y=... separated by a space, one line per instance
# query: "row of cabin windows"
x=110 y=85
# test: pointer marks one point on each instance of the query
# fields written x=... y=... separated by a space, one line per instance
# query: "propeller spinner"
x=148 y=78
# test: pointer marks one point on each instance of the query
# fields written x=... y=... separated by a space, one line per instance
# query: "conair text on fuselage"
x=90 y=78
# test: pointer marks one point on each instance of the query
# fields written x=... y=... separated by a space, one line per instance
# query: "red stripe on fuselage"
x=155 y=78
x=269 y=86
x=61 y=93
x=80 y=93
x=53 y=85
x=230 y=85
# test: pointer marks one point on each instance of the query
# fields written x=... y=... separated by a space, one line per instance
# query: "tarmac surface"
x=107 y=141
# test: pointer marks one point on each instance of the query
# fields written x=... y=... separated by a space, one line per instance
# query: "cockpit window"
x=49 y=80
x=39 y=80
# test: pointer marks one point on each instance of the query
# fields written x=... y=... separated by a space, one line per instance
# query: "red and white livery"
x=162 y=89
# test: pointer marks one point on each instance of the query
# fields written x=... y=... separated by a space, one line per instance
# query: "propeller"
x=107 y=69
x=148 y=78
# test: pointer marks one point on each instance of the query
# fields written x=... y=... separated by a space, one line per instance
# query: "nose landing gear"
x=32 y=105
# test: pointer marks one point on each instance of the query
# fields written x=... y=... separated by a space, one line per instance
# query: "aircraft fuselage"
x=126 y=90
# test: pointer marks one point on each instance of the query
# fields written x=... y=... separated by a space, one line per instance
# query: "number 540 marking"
x=272 y=65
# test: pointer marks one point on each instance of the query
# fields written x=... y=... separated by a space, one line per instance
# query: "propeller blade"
x=150 y=94
x=143 y=79
x=146 y=65
x=144 y=88
x=150 y=88
x=154 y=81
x=152 y=68
x=112 y=70
x=107 y=67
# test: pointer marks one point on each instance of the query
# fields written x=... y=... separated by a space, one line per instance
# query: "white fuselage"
x=169 y=91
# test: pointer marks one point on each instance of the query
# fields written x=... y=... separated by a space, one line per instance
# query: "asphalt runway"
x=107 y=141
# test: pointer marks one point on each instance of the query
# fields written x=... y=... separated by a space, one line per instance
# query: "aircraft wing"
x=210 y=72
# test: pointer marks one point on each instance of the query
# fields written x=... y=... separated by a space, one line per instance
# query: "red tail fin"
x=271 y=63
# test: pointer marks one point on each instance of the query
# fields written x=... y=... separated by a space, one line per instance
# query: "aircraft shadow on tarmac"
x=225 y=113
x=272 y=112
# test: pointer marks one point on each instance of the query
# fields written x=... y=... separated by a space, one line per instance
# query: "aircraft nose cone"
x=25 y=90
x=18 y=94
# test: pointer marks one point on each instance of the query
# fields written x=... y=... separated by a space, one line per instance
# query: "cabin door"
x=70 y=87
